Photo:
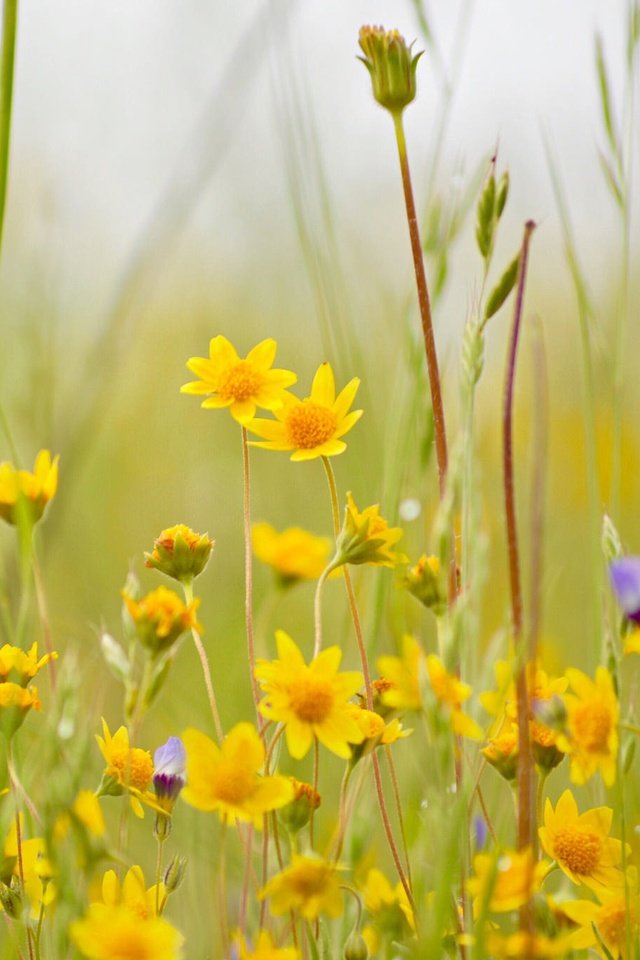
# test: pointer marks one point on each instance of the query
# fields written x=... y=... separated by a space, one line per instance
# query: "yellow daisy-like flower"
x=452 y=692
x=295 y=554
x=265 y=949
x=161 y=617
x=227 y=778
x=128 y=768
x=31 y=490
x=533 y=946
x=401 y=690
x=240 y=385
x=180 y=553
x=501 y=751
x=512 y=878
x=591 y=736
x=380 y=896
x=311 y=427
x=580 y=843
x=15 y=703
x=22 y=667
x=110 y=931
x=310 y=886
x=366 y=537
x=614 y=917
x=86 y=809
x=311 y=701
x=131 y=893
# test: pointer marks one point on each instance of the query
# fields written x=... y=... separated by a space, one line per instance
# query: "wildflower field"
x=320 y=559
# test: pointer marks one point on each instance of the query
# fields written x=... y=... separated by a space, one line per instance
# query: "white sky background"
x=109 y=93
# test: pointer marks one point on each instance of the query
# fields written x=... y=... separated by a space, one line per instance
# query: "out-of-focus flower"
x=180 y=553
x=241 y=385
x=309 y=885
x=295 y=554
x=226 y=779
x=132 y=893
x=625 y=580
x=591 y=736
x=107 y=931
x=21 y=667
x=501 y=751
x=127 y=768
x=391 y=65
x=25 y=495
x=39 y=889
x=423 y=581
x=385 y=902
x=15 y=704
x=402 y=676
x=615 y=917
x=310 y=700
x=533 y=946
x=161 y=618
x=169 y=776
x=296 y=814
x=580 y=843
x=451 y=693
x=87 y=811
x=311 y=427
x=265 y=949
x=508 y=879
x=366 y=537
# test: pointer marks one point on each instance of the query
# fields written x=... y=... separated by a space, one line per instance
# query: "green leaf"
x=605 y=101
x=115 y=657
x=503 y=193
x=486 y=217
x=502 y=289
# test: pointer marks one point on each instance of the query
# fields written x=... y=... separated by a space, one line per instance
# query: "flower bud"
x=356 y=947
x=502 y=753
x=161 y=618
x=366 y=537
x=175 y=873
x=169 y=778
x=391 y=66
x=11 y=900
x=296 y=814
x=180 y=553
x=423 y=582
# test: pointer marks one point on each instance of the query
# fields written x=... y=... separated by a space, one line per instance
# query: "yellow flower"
x=615 y=917
x=265 y=949
x=380 y=897
x=20 y=666
x=580 y=843
x=297 y=813
x=391 y=65
x=311 y=701
x=132 y=893
x=532 y=946
x=161 y=618
x=509 y=879
x=20 y=489
x=180 y=553
x=423 y=580
x=311 y=427
x=108 y=931
x=591 y=737
x=310 y=885
x=502 y=751
x=226 y=778
x=366 y=537
x=88 y=812
x=452 y=693
x=39 y=889
x=128 y=768
x=402 y=675
x=15 y=703
x=241 y=385
x=294 y=554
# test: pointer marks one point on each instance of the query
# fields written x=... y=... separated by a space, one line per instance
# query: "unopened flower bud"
x=296 y=814
x=356 y=947
x=175 y=873
x=423 y=582
x=391 y=65
x=11 y=900
x=180 y=553
x=161 y=618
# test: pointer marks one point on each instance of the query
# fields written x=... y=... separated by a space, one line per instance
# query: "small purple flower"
x=169 y=777
x=625 y=580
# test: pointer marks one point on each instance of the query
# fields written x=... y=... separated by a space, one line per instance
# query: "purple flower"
x=169 y=777
x=625 y=580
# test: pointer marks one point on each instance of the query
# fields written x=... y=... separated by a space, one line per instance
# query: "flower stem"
x=43 y=613
x=398 y=802
x=317 y=610
x=160 y=841
x=316 y=771
x=14 y=790
x=204 y=662
x=248 y=576
x=9 y=24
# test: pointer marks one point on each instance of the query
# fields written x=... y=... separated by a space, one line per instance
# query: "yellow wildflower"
x=296 y=814
x=402 y=676
x=88 y=812
x=614 y=917
x=591 y=737
x=108 y=931
x=580 y=843
x=39 y=890
x=381 y=897
x=161 y=618
x=15 y=703
x=452 y=693
x=241 y=385
x=20 y=489
x=309 y=885
x=508 y=879
x=392 y=67
x=366 y=537
x=128 y=768
x=226 y=778
x=311 y=701
x=532 y=946
x=295 y=554
x=311 y=427
x=501 y=751
x=132 y=892
x=180 y=553
x=423 y=581
x=265 y=949
x=19 y=666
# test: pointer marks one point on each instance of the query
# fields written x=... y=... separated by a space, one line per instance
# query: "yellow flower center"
x=591 y=725
x=233 y=784
x=309 y=425
x=132 y=767
x=310 y=881
x=240 y=382
x=578 y=849
x=544 y=736
x=612 y=924
x=311 y=698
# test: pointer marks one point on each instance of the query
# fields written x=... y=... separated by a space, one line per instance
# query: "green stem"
x=248 y=576
x=204 y=662
x=317 y=610
x=14 y=790
x=158 y=873
x=9 y=24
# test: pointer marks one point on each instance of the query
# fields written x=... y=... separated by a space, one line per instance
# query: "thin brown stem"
x=206 y=671
x=398 y=803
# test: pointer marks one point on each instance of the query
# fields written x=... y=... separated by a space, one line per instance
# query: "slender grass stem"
x=316 y=772
x=7 y=58
x=43 y=613
x=206 y=671
x=317 y=610
x=14 y=790
x=222 y=888
x=160 y=842
x=398 y=804
x=248 y=577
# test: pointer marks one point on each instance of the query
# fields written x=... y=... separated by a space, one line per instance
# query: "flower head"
x=501 y=751
x=180 y=553
x=403 y=675
x=107 y=931
x=21 y=667
x=310 y=700
x=311 y=427
x=625 y=580
x=366 y=537
x=591 y=737
x=226 y=778
x=131 y=893
x=297 y=813
x=615 y=917
x=580 y=843
x=169 y=778
x=240 y=385
x=24 y=494
x=127 y=768
x=508 y=879
x=424 y=582
x=15 y=703
x=295 y=554
x=161 y=618
x=452 y=693
x=391 y=66
x=309 y=885
x=265 y=949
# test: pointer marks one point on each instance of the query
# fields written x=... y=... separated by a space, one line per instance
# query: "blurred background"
x=183 y=170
